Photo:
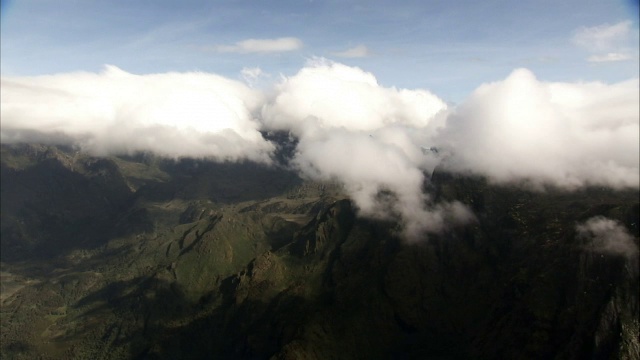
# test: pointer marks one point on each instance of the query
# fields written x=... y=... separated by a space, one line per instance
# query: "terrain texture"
x=144 y=258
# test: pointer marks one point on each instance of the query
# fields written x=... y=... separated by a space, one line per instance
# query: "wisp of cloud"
x=607 y=236
x=559 y=134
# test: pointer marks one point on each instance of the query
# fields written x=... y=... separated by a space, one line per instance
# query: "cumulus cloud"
x=560 y=134
x=359 y=51
x=367 y=137
x=602 y=37
x=608 y=236
x=188 y=114
x=327 y=94
x=283 y=44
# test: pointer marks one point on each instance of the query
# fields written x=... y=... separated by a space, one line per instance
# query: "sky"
x=448 y=47
x=536 y=94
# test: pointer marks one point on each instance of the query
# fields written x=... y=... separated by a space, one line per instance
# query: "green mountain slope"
x=145 y=258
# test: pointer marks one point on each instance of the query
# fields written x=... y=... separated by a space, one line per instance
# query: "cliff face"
x=190 y=259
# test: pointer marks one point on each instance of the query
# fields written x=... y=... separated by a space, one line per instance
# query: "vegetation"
x=140 y=257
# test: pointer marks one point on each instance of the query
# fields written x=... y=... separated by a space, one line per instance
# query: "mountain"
x=148 y=258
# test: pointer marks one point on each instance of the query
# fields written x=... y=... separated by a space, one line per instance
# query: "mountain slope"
x=139 y=257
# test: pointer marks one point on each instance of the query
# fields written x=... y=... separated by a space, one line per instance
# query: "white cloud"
x=359 y=51
x=607 y=236
x=188 y=114
x=262 y=46
x=367 y=137
x=383 y=180
x=326 y=94
x=609 y=57
x=561 y=134
x=602 y=37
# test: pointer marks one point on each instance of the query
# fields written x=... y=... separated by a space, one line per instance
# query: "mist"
x=376 y=141
x=607 y=236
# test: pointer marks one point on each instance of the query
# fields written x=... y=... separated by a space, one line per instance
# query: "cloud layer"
x=374 y=140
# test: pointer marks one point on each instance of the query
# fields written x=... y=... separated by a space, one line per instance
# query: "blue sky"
x=448 y=47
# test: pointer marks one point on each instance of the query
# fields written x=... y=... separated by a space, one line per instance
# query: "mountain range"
x=142 y=257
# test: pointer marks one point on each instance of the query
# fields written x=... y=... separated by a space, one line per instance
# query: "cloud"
x=522 y=130
x=283 y=44
x=172 y=114
x=607 y=236
x=327 y=94
x=602 y=37
x=384 y=181
x=371 y=139
x=359 y=51
x=609 y=57
x=366 y=137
